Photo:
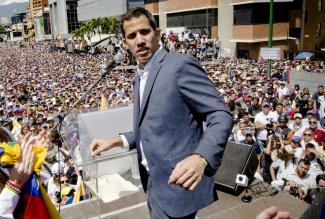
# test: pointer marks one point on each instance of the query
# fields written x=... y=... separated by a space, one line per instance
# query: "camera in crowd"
x=269 y=128
x=294 y=191
x=301 y=103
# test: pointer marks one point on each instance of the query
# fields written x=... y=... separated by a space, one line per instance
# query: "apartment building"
x=313 y=37
x=37 y=5
x=242 y=25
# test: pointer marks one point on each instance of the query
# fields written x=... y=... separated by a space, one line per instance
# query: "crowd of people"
x=284 y=124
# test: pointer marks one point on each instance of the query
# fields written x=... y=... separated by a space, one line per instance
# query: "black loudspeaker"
x=237 y=159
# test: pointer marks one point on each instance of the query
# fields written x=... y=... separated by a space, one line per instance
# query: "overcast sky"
x=7 y=2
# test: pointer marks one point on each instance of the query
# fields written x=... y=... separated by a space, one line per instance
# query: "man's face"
x=302 y=169
x=310 y=154
x=307 y=136
x=266 y=110
x=279 y=108
x=298 y=120
x=141 y=39
x=321 y=184
x=320 y=90
x=313 y=123
x=295 y=144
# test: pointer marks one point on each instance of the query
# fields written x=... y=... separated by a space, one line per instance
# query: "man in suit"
x=173 y=97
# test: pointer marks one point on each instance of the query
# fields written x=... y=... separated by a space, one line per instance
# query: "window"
x=259 y=13
x=150 y=1
x=200 y=18
x=319 y=5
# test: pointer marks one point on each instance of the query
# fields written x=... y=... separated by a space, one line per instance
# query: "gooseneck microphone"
x=56 y=130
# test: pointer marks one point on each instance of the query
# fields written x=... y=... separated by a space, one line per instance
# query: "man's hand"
x=188 y=172
x=42 y=139
x=20 y=173
x=99 y=145
x=302 y=194
x=292 y=184
x=273 y=213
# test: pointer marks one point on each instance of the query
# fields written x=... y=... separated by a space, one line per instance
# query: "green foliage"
x=107 y=25
x=2 y=29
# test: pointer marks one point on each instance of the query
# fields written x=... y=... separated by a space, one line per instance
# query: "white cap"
x=56 y=168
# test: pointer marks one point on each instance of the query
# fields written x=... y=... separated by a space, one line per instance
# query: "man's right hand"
x=99 y=145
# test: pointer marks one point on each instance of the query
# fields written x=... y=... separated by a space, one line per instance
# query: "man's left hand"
x=188 y=172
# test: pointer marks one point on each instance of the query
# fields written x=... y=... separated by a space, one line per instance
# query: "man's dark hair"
x=309 y=145
x=137 y=12
x=305 y=161
x=320 y=177
x=283 y=118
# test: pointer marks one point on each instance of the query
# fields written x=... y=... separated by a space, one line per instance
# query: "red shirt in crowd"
x=319 y=135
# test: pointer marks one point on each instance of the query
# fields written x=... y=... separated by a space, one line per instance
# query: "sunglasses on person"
x=307 y=134
x=312 y=122
x=64 y=181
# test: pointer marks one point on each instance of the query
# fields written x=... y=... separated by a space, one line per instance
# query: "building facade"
x=241 y=26
x=179 y=15
x=37 y=5
x=89 y=9
x=64 y=18
x=251 y=24
x=313 y=37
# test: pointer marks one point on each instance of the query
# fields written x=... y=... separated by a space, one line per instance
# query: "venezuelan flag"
x=80 y=194
x=35 y=203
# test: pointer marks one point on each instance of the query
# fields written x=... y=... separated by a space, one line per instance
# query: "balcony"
x=174 y=6
x=241 y=2
x=259 y=32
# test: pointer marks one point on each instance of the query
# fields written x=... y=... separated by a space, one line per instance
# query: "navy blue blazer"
x=177 y=99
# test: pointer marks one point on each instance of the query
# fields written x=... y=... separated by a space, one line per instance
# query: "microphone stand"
x=58 y=126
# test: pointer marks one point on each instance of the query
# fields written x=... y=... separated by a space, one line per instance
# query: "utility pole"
x=269 y=67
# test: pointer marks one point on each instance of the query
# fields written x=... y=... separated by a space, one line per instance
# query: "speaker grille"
x=237 y=159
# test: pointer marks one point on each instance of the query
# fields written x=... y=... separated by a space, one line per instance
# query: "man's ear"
x=158 y=31
x=125 y=45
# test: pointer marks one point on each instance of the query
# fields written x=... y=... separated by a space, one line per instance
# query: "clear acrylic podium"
x=114 y=175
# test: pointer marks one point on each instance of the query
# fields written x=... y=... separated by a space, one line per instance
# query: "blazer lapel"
x=156 y=65
x=136 y=99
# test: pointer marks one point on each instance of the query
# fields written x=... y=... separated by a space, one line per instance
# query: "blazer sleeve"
x=204 y=101
x=130 y=139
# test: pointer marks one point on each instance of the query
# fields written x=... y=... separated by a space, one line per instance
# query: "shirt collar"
x=149 y=63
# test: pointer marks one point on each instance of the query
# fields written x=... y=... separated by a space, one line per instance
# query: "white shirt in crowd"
x=264 y=119
x=282 y=169
x=314 y=170
x=282 y=92
x=303 y=183
x=299 y=129
x=321 y=111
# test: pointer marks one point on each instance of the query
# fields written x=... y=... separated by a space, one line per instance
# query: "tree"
x=96 y=23
x=110 y=25
x=113 y=25
x=78 y=34
x=87 y=29
x=2 y=29
x=105 y=25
